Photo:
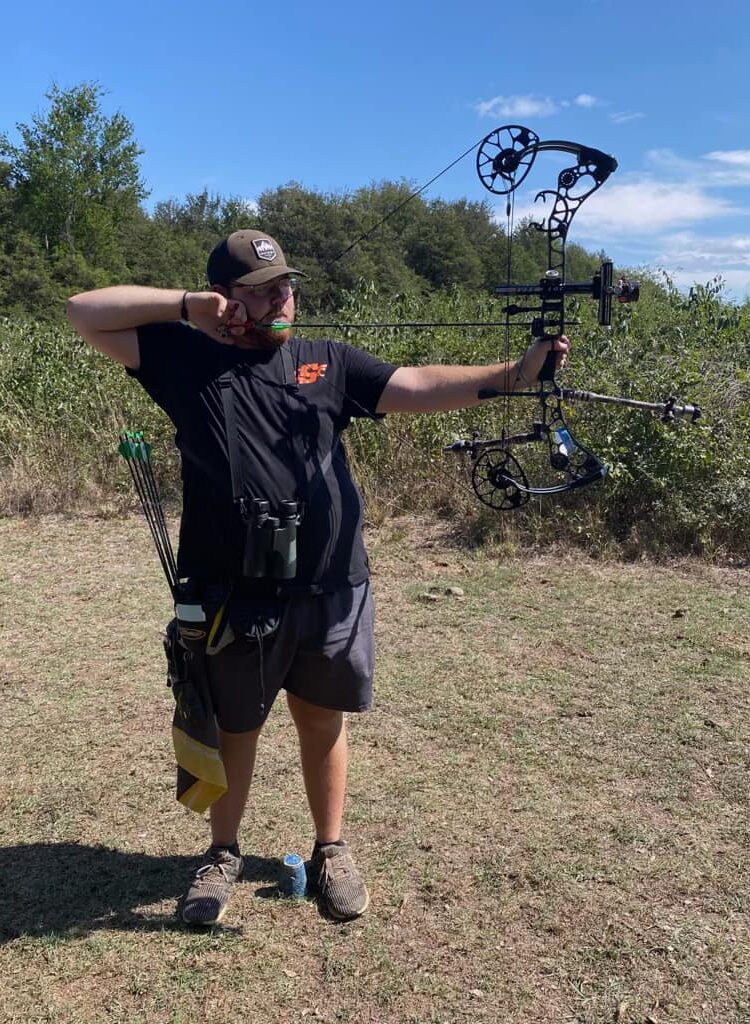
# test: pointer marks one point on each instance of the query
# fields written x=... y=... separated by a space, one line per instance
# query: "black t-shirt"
x=289 y=443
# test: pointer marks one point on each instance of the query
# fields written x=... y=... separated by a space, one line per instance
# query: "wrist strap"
x=183 y=307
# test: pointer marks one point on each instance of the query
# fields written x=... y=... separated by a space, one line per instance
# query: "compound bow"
x=504 y=159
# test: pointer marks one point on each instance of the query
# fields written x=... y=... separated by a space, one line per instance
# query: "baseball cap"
x=247 y=257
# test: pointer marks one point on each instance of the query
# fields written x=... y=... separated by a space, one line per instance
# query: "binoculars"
x=271 y=541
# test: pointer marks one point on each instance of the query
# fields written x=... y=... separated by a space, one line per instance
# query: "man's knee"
x=311 y=718
x=239 y=742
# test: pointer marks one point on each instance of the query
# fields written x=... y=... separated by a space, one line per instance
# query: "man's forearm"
x=124 y=306
x=457 y=387
x=440 y=388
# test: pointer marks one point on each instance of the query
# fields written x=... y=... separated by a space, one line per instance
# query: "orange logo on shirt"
x=308 y=373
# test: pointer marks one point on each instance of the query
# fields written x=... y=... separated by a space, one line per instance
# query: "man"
x=259 y=416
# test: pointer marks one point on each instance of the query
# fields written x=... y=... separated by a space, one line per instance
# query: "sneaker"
x=206 y=900
x=333 y=874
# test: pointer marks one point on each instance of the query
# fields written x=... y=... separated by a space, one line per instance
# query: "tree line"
x=73 y=216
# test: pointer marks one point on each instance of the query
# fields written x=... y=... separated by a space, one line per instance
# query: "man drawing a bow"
x=271 y=558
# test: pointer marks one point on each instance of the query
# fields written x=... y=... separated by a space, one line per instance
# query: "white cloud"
x=530 y=105
x=721 y=169
x=623 y=116
x=736 y=157
x=736 y=177
x=729 y=167
x=648 y=206
x=636 y=208
x=736 y=282
x=517 y=106
x=689 y=249
x=691 y=259
x=667 y=161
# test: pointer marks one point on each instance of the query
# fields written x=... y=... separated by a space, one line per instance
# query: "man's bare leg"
x=323 y=749
x=238 y=751
x=206 y=900
x=324 y=755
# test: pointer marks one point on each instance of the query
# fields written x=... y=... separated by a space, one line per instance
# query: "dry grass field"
x=549 y=799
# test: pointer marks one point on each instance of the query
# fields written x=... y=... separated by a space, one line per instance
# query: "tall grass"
x=672 y=489
x=62 y=406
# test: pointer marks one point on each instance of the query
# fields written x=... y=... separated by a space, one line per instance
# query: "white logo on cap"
x=264 y=250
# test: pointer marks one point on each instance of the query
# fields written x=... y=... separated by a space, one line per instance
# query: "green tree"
x=75 y=177
x=443 y=250
x=170 y=249
x=378 y=220
x=313 y=229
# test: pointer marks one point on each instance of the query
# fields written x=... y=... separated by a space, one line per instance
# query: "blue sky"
x=242 y=98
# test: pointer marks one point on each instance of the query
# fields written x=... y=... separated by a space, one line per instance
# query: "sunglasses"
x=284 y=286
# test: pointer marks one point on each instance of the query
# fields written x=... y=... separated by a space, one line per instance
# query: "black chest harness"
x=270 y=550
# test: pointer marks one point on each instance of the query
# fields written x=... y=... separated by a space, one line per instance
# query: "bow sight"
x=552 y=291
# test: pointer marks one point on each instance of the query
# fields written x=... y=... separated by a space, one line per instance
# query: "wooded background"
x=73 y=216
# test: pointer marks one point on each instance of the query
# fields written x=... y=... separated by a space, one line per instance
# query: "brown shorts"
x=323 y=652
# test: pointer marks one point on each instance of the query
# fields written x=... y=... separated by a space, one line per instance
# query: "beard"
x=264 y=338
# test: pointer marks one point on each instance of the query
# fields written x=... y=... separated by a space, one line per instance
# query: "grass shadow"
x=71 y=889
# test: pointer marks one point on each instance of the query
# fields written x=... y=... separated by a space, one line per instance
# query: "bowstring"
x=510 y=213
x=401 y=205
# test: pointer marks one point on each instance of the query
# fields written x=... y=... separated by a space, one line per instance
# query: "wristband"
x=183 y=307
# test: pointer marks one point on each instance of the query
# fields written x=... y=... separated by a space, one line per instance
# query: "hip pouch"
x=256 y=620
x=186 y=673
x=198 y=629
